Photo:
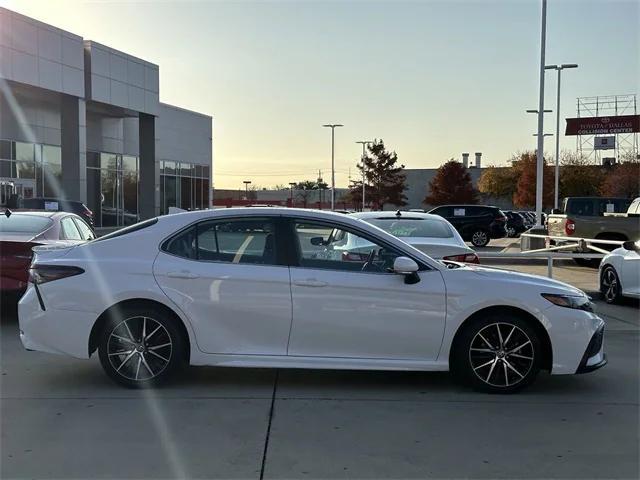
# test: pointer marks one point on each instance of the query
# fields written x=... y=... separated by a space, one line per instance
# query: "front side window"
x=231 y=241
x=325 y=247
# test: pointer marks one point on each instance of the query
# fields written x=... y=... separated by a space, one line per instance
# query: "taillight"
x=465 y=258
x=570 y=227
x=39 y=274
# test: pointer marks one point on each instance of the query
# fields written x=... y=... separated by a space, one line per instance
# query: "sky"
x=432 y=79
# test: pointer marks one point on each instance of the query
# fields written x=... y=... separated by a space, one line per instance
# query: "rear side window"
x=443 y=211
x=581 y=207
x=24 y=223
x=84 y=229
x=231 y=241
x=68 y=229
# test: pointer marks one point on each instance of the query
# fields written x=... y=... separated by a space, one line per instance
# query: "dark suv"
x=475 y=223
x=54 y=204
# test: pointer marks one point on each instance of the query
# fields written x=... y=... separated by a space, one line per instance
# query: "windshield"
x=413 y=227
x=24 y=224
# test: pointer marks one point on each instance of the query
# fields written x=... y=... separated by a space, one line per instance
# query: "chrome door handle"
x=183 y=274
x=310 y=282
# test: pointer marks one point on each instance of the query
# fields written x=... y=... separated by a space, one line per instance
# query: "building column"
x=149 y=186
x=73 y=121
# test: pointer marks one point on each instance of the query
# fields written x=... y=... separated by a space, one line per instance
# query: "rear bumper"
x=53 y=330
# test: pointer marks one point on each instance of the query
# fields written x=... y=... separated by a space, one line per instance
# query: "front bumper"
x=594 y=356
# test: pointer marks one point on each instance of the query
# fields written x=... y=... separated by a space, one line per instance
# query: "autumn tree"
x=451 y=184
x=498 y=181
x=525 y=194
x=579 y=177
x=623 y=180
x=385 y=181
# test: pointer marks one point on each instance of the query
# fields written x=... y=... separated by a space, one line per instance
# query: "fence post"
x=550 y=266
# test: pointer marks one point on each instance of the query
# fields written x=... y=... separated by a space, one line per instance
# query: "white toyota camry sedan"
x=262 y=287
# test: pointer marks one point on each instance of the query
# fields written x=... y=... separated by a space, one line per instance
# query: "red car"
x=23 y=230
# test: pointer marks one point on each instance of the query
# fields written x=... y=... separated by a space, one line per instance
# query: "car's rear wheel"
x=511 y=232
x=610 y=285
x=140 y=348
x=480 y=238
x=497 y=354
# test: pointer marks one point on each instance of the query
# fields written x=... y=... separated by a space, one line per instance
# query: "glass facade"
x=112 y=188
x=183 y=185
x=35 y=168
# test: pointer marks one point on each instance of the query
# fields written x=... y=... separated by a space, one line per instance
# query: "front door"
x=347 y=304
x=225 y=276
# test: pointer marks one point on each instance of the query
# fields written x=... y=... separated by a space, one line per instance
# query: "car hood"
x=538 y=282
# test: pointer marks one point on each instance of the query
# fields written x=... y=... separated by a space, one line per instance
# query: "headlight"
x=581 y=302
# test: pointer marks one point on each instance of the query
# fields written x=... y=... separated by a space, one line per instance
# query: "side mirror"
x=631 y=245
x=317 y=241
x=405 y=266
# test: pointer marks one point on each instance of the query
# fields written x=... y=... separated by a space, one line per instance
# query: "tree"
x=579 y=177
x=304 y=189
x=498 y=181
x=451 y=184
x=623 y=181
x=385 y=181
x=525 y=194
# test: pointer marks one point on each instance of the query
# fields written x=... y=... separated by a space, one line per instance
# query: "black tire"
x=610 y=287
x=135 y=362
x=494 y=370
x=480 y=238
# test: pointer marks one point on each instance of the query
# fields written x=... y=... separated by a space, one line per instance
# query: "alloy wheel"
x=479 y=238
x=139 y=348
x=609 y=285
x=501 y=355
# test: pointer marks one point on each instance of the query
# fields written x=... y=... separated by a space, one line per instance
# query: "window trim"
x=296 y=254
x=280 y=258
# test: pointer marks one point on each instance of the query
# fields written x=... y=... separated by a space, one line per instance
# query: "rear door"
x=228 y=277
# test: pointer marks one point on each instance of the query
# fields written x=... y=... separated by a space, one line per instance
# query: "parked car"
x=529 y=219
x=57 y=205
x=620 y=273
x=430 y=234
x=591 y=224
x=477 y=224
x=21 y=231
x=257 y=287
x=515 y=223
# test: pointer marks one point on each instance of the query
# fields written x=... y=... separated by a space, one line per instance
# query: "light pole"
x=364 y=146
x=333 y=126
x=246 y=188
x=559 y=68
x=540 y=152
x=291 y=185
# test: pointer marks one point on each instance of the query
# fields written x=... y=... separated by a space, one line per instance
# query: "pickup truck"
x=594 y=222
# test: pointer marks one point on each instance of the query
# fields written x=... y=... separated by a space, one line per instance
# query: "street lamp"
x=559 y=68
x=291 y=185
x=540 y=153
x=333 y=126
x=246 y=188
x=364 y=145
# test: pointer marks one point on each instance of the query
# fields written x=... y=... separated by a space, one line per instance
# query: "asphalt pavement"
x=63 y=418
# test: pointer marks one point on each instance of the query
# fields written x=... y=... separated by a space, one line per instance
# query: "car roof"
x=392 y=214
x=41 y=213
x=464 y=205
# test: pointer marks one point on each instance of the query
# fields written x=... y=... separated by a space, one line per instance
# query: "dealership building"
x=82 y=121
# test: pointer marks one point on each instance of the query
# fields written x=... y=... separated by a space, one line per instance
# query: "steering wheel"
x=369 y=260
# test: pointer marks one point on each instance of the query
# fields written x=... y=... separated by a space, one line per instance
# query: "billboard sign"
x=603 y=125
x=604 y=143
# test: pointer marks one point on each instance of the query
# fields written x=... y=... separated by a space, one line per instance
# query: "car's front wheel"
x=610 y=285
x=140 y=348
x=497 y=354
x=480 y=238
